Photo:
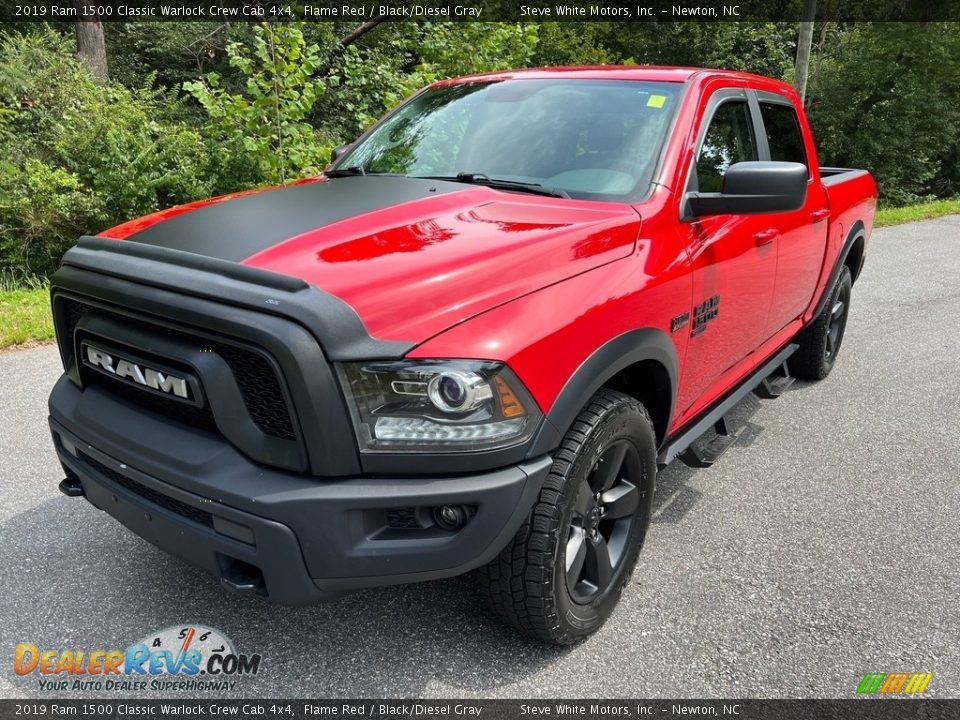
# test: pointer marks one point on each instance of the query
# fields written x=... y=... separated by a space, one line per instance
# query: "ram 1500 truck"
x=468 y=345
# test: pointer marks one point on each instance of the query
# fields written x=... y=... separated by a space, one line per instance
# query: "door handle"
x=765 y=237
x=818 y=215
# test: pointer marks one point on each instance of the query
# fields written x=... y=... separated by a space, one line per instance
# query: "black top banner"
x=478 y=10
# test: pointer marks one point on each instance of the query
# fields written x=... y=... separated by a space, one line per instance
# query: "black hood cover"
x=240 y=227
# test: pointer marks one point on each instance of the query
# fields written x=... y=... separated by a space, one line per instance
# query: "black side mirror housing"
x=751 y=188
x=338 y=152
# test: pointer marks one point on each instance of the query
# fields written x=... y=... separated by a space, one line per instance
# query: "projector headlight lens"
x=437 y=405
x=457 y=391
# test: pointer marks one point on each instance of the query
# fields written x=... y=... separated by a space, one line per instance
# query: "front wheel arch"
x=626 y=363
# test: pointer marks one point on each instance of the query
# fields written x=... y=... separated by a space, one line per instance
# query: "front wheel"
x=561 y=576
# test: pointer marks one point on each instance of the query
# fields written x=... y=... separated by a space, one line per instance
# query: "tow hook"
x=71 y=487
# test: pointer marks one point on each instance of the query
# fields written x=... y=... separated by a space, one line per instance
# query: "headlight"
x=437 y=405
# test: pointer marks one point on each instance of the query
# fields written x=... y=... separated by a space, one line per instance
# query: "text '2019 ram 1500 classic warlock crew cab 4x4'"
x=469 y=345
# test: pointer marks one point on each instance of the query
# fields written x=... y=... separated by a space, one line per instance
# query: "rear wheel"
x=561 y=576
x=820 y=341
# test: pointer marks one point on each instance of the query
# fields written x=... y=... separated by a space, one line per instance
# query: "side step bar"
x=773 y=386
x=707 y=455
x=715 y=417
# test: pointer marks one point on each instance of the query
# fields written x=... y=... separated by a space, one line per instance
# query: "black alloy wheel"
x=563 y=573
x=601 y=521
x=838 y=322
x=820 y=340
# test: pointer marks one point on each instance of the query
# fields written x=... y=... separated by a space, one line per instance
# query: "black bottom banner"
x=867 y=709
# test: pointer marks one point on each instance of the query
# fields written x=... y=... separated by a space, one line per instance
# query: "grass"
x=24 y=316
x=25 y=302
x=923 y=211
x=24 y=311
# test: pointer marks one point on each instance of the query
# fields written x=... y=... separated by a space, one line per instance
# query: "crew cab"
x=468 y=345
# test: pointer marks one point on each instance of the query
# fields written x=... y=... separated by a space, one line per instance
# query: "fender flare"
x=856 y=232
x=599 y=367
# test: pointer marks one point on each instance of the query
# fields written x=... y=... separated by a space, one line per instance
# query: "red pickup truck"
x=468 y=345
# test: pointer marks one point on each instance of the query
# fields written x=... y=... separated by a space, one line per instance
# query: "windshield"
x=590 y=139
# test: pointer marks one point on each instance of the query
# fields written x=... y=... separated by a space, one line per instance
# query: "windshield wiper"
x=346 y=172
x=481 y=179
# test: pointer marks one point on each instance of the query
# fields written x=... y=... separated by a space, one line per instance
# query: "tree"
x=804 y=42
x=91 y=47
x=266 y=121
x=903 y=125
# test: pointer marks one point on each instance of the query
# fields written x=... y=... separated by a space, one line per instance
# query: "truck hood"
x=413 y=257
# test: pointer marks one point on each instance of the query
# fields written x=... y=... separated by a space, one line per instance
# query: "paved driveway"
x=823 y=546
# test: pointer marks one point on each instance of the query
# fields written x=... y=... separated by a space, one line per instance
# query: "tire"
x=609 y=453
x=820 y=341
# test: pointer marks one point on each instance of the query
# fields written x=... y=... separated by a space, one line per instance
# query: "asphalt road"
x=823 y=546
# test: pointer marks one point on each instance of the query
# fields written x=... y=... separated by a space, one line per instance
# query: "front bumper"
x=290 y=537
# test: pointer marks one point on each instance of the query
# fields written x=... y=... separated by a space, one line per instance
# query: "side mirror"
x=338 y=152
x=753 y=187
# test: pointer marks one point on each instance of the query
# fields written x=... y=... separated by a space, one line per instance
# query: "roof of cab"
x=653 y=73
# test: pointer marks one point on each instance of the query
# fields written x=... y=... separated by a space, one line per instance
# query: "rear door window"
x=783 y=133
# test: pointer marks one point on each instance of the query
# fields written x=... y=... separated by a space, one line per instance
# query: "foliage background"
x=195 y=109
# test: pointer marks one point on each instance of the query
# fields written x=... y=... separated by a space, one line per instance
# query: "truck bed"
x=834 y=175
x=851 y=194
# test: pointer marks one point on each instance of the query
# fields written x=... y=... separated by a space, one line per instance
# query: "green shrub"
x=42 y=210
x=79 y=156
x=131 y=156
x=369 y=81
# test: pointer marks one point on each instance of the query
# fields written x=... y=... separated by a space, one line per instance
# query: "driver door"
x=734 y=257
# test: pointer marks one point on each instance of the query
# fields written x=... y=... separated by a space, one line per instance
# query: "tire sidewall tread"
x=526 y=584
x=810 y=362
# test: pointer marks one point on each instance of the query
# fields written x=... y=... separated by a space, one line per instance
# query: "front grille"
x=198 y=417
x=261 y=390
x=149 y=494
x=258 y=382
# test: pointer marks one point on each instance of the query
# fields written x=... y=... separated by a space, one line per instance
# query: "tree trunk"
x=347 y=40
x=804 y=42
x=91 y=47
x=362 y=30
x=821 y=49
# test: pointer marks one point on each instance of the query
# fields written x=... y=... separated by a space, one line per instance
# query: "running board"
x=715 y=418
x=707 y=455
x=772 y=387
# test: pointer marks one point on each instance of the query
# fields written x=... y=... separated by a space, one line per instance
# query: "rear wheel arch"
x=641 y=363
x=853 y=258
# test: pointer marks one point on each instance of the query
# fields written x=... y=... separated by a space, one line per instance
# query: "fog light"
x=450 y=517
